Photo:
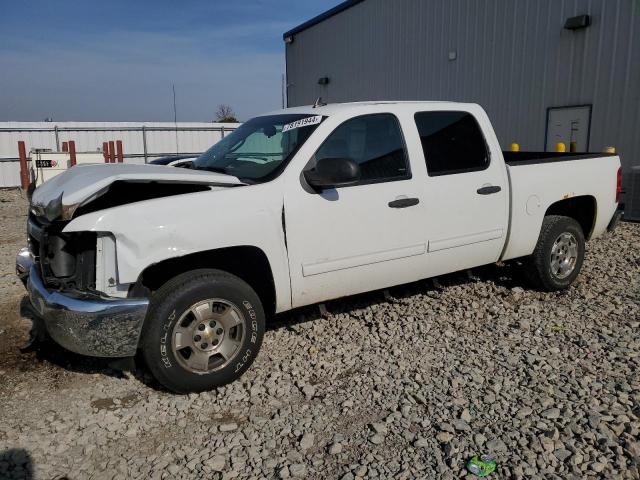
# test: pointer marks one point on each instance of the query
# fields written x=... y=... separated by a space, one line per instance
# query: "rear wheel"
x=203 y=330
x=558 y=256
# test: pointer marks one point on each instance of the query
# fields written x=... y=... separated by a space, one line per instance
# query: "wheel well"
x=246 y=262
x=582 y=209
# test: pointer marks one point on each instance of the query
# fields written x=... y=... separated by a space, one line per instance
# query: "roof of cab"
x=334 y=108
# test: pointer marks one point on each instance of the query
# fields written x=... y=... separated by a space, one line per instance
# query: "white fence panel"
x=141 y=141
x=9 y=174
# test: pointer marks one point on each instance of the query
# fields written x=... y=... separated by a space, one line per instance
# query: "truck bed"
x=515 y=159
x=535 y=187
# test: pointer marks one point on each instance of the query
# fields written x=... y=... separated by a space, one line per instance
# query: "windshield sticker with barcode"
x=303 y=122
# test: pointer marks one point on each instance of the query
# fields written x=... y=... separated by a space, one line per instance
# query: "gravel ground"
x=408 y=385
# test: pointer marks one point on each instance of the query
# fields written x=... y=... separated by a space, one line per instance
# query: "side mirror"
x=332 y=173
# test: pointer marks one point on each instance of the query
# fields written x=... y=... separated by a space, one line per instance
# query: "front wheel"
x=557 y=259
x=203 y=330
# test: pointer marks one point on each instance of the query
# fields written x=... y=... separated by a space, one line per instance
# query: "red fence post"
x=105 y=152
x=112 y=152
x=72 y=152
x=119 y=151
x=65 y=146
x=24 y=169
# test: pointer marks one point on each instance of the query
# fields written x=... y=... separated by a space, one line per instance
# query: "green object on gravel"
x=481 y=467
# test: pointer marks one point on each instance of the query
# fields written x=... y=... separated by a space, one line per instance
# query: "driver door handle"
x=489 y=190
x=404 y=202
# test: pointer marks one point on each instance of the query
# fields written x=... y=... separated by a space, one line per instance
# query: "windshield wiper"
x=213 y=169
x=224 y=171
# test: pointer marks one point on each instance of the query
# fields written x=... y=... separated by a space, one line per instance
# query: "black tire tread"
x=536 y=264
x=166 y=293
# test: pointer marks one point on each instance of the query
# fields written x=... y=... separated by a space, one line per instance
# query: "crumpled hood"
x=83 y=183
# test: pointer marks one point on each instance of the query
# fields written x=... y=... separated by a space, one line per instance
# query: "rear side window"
x=375 y=142
x=452 y=142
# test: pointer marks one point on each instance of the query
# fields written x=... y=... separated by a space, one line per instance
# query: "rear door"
x=466 y=191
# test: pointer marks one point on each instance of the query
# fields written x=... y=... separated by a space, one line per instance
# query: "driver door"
x=348 y=240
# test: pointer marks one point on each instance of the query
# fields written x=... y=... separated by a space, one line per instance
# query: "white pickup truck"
x=293 y=208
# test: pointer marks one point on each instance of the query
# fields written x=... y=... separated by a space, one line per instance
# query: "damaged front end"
x=66 y=260
x=59 y=271
x=72 y=276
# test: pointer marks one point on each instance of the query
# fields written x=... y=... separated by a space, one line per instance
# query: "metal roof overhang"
x=322 y=17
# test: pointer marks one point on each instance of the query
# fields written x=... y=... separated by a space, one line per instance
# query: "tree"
x=225 y=114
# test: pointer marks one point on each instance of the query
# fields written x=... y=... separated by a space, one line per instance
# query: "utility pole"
x=175 y=116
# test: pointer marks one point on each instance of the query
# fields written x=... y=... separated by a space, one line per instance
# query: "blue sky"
x=116 y=60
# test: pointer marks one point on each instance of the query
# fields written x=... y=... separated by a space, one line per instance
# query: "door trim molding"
x=462 y=240
x=309 y=269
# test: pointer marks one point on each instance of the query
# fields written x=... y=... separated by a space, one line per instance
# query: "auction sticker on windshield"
x=303 y=122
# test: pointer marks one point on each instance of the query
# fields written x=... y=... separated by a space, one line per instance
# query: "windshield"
x=259 y=149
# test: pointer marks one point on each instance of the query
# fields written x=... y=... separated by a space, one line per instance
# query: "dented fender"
x=151 y=231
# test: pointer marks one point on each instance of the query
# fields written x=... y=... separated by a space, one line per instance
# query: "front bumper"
x=85 y=323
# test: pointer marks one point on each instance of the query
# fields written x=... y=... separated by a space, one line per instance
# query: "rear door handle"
x=404 y=202
x=489 y=190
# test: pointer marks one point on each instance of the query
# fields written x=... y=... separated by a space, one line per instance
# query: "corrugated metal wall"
x=191 y=138
x=513 y=57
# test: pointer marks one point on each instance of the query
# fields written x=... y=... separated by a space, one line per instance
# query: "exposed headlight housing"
x=54 y=210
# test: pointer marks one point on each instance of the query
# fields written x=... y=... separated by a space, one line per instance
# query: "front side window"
x=375 y=142
x=452 y=142
x=259 y=149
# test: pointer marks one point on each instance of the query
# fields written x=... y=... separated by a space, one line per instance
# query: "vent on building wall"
x=632 y=197
x=576 y=23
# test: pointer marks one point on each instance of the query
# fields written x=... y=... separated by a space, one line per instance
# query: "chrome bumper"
x=85 y=323
x=24 y=262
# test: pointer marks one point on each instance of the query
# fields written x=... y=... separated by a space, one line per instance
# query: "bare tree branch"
x=225 y=114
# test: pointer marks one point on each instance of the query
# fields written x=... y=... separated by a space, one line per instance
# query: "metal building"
x=546 y=71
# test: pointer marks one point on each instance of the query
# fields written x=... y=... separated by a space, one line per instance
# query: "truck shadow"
x=506 y=275
x=16 y=463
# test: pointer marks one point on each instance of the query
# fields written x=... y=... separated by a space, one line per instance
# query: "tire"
x=185 y=357
x=545 y=268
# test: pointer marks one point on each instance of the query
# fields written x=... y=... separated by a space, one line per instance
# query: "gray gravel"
x=408 y=385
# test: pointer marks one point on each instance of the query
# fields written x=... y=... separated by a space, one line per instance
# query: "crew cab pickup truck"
x=293 y=208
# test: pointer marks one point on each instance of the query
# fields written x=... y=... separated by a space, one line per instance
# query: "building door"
x=568 y=125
